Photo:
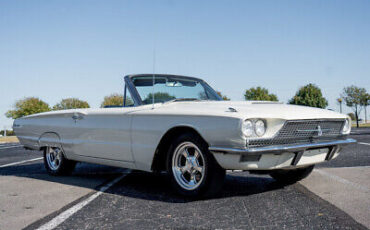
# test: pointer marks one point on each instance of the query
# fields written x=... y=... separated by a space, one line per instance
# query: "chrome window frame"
x=136 y=96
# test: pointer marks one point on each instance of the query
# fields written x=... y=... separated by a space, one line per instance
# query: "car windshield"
x=172 y=88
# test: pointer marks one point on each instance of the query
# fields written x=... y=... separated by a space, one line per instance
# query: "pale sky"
x=57 y=49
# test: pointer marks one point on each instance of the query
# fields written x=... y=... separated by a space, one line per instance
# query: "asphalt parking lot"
x=335 y=196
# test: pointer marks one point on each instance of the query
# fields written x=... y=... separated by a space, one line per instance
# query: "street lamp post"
x=340 y=100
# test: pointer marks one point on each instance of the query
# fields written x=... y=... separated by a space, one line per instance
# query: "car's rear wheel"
x=192 y=168
x=55 y=162
x=290 y=176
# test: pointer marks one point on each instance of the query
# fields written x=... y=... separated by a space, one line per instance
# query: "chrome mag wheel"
x=54 y=157
x=188 y=165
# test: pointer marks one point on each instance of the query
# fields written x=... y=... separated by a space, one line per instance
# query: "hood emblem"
x=319 y=131
x=231 y=109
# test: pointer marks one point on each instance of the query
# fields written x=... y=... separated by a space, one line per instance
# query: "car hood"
x=249 y=109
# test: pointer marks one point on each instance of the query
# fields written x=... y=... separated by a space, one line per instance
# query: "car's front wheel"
x=290 y=176
x=192 y=168
x=55 y=162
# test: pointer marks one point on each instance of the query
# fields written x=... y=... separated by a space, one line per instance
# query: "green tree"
x=365 y=103
x=71 y=103
x=354 y=97
x=8 y=133
x=158 y=97
x=309 y=95
x=224 y=97
x=27 y=106
x=115 y=99
x=259 y=94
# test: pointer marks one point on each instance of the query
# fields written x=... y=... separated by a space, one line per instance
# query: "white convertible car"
x=180 y=125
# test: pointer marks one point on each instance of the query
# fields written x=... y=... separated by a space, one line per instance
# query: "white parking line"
x=363 y=143
x=9 y=144
x=342 y=180
x=9 y=147
x=353 y=167
x=20 y=162
x=69 y=212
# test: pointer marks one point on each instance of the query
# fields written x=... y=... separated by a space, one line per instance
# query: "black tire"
x=213 y=174
x=65 y=166
x=290 y=176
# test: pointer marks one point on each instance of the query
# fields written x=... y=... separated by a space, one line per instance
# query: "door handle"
x=77 y=116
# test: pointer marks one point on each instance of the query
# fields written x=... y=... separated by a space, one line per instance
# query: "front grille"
x=302 y=132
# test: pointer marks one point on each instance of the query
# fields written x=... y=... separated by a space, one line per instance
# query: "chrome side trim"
x=281 y=148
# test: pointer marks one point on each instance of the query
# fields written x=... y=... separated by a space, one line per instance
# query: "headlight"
x=260 y=128
x=247 y=128
x=253 y=128
x=346 y=127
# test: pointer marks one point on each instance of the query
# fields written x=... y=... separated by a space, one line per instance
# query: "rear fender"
x=50 y=139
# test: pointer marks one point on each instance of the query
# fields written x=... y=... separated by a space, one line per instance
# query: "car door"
x=104 y=133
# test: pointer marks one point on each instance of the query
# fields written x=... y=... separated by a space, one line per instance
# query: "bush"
x=259 y=94
x=27 y=106
x=309 y=95
x=71 y=103
x=8 y=132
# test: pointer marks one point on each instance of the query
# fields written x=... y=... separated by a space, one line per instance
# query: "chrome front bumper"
x=283 y=148
x=297 y=150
